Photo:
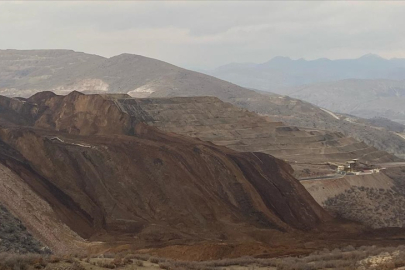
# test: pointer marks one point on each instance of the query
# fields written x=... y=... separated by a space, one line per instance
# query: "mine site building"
x=352 y=165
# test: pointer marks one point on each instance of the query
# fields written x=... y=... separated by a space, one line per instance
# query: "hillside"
x=208 y=118
x=375 y=200
x=366 y=87
x=14 y=236
x=312 y=153
x=303 y=114
x=23 y=73
x=77 y=167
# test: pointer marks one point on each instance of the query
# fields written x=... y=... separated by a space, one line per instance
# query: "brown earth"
x=111 y=178
x=84 y=172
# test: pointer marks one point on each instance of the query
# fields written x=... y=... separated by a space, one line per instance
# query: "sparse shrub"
x=68 y=259
x=54 y=259
x=166 y=266
x=154 y=260
x=77 y=266
x=109 y=256
x=118 y=262
x=105 y=264
x=39 y=263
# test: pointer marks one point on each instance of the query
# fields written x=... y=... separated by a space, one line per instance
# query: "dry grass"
x=345 y=258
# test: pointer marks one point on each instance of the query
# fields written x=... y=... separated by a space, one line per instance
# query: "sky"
x=207 y=34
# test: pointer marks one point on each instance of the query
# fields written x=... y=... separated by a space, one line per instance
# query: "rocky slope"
x=103 y=175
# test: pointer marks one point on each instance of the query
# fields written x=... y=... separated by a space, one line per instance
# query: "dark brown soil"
x=111 y=178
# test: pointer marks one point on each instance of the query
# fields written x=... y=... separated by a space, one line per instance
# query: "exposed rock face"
x=108 y=176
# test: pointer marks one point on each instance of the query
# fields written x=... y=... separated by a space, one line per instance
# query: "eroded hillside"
x=101 y=174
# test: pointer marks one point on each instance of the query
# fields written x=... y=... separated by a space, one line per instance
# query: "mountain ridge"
x=25 y=73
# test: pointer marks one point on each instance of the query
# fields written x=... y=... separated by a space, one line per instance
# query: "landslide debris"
x=109 y=177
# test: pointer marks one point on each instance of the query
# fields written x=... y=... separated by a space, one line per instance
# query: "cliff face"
x=108 y=176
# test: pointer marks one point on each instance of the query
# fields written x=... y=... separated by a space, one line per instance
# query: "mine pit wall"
x=221 y=123
x=370 y=199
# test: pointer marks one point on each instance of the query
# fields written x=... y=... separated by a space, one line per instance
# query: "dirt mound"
x=111 y=178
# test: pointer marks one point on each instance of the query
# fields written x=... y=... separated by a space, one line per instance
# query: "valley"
x=202 y=135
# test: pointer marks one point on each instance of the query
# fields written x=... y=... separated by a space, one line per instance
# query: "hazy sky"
x=208 y=34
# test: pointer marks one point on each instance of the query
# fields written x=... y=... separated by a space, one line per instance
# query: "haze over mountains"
x=366 y=87
x=363 y=98
x=23 y=73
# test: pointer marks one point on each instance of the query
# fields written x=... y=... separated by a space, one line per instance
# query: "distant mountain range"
x=282 y=72
x=369 y=86
x=363 y=98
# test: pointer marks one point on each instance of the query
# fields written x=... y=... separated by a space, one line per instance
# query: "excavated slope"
x=212 y=120
x=109 y=177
